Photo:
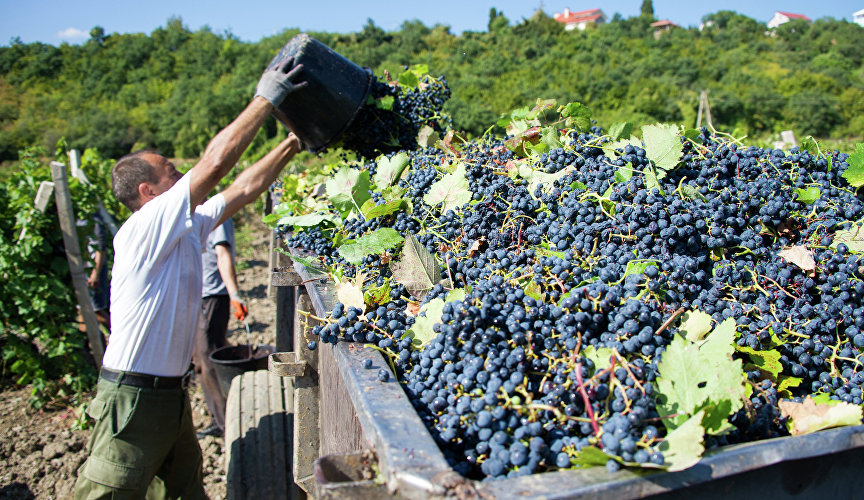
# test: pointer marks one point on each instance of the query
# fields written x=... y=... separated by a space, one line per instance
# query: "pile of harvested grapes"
x=565 y=297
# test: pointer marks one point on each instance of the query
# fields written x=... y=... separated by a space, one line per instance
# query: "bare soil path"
x=40 y=450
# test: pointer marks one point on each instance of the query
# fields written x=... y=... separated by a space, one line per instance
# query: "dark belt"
x=143 y=380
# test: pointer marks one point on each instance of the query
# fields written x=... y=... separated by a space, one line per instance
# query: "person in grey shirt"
x=220 y=295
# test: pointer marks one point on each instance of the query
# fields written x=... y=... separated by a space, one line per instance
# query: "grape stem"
x=669 y=321
x=586 y=400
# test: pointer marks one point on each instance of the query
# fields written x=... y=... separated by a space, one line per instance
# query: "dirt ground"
x=40 y=451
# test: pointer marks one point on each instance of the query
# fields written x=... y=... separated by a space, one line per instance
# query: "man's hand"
x=239 y=307
x=279 y=81
x=93 y=279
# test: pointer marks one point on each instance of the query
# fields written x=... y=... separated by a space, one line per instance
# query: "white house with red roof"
x=581 y=19
x=662 y=26
x=784 y=17
x=858 y=18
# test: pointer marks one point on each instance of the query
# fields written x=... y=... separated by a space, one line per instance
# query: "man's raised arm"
x=256 y=179
x=225 y=149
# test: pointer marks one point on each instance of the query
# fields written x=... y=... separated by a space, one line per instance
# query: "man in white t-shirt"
x=143 y=426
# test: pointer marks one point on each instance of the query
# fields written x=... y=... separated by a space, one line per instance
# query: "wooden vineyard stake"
x=78 y=173
x=76 y=263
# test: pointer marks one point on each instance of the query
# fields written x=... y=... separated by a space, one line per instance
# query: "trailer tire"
x=259 y=426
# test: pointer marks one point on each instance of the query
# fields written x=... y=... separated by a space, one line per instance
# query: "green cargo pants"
x=141 y=434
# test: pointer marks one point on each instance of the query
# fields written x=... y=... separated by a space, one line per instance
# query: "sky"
x=58 y=21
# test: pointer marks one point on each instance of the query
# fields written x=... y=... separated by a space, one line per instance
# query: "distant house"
x=663 y=26
x=580 y=20
x=784 y=17
x=858 y=18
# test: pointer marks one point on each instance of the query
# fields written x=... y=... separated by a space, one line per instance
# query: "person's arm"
x=256 y=179
x=225 y=264
x=98 y=263
x=224 y=150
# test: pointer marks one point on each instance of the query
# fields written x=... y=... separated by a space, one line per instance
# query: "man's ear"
x=145 y=192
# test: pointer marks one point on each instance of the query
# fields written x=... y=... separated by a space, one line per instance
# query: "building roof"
x=582 y=16
x=794 y=16
x=664 y=22
x=859 y=13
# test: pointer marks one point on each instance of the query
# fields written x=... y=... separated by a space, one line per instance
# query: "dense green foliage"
x=40 y=342
x=174 y=88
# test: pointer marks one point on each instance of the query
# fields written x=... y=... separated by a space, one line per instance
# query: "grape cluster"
x=381 y=129
x=507 y=386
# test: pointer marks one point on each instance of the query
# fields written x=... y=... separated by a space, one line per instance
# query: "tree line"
x=175 y=88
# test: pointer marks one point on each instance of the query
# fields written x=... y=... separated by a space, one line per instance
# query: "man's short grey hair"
x=128 y=173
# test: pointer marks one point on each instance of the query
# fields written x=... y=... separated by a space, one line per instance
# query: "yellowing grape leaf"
x=696 y=376
x=811 y=416
x=662 y=145
x=696 y=325
x=682 y=447
x=452 y=190
x=800 y=256
x=767 y=361
x=351 y=295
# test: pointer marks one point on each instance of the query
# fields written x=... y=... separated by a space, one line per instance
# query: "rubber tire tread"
x=259 y=427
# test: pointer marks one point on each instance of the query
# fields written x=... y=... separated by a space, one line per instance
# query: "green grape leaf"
x=382 y=239
x=691 y=133
x=385 y=102
x=422 y=331
x=391 y=207
x=808 y=196
x=377 y=294
x=624 y=173
x=682 y=448
x=638 y=267
x=452 y=190
x=308 y=220
x=692 y=193
x=787 y=383
x=696 y=325
x=389 y=170
x=602 y=357
x=621 y=130
x=651 y=180
x=417 y=269
x=663 y=145
x=550 y=137
x=348 y=190
x=590 y=456
x=767 y=361
x=578 y=185
x=853 y=238
x=696 y=376
x=540 y=107
x=535 y=291
x=854 y=175
x=810 y=145
x=811 y=416
x=576 y=114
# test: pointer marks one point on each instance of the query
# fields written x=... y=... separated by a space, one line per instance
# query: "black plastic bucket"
x=319 y=113
x=233 y=360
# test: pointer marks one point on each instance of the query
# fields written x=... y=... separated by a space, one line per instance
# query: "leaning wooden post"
x=76 y=263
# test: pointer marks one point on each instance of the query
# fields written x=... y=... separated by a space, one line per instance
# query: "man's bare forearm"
x=225 y=264
x=256 y=179
x=225 y=149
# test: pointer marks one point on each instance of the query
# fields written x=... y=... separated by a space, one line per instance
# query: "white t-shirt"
x=156 y=283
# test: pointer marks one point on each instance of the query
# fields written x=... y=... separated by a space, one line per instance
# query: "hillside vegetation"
x=174 y=88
